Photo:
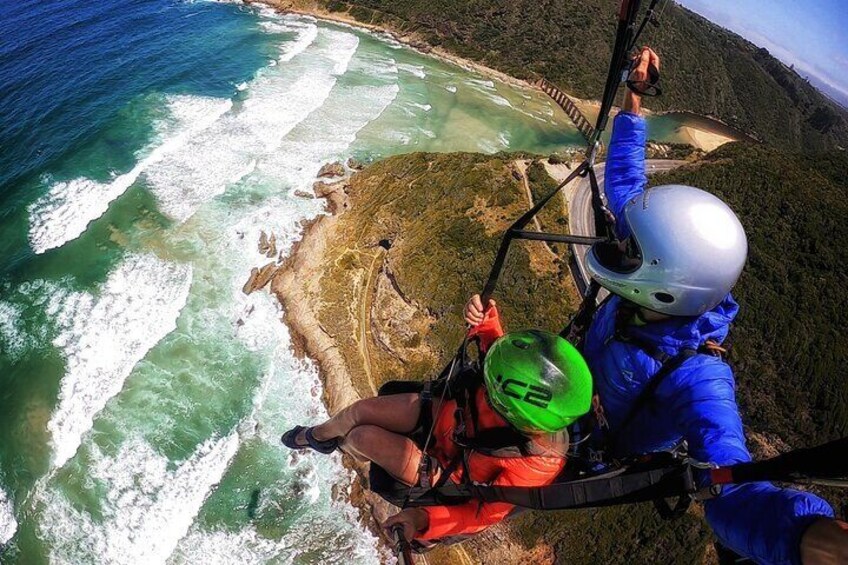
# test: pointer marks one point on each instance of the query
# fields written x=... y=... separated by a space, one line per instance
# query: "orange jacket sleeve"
x=489 y=330
x=473 y=517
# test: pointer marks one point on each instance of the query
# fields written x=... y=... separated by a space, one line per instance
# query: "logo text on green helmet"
x=535 y=395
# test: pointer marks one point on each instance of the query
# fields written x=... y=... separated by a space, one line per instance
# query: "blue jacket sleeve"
x=624 y=174
x=756 y=520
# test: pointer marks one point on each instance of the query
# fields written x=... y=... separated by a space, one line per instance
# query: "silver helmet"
x=686 y=251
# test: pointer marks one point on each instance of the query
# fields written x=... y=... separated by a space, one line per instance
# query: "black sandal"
x=289 y=439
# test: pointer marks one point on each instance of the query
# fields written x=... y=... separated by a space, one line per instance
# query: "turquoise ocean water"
x=143 y=146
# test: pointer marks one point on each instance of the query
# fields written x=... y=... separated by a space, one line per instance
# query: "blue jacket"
x=697 y=401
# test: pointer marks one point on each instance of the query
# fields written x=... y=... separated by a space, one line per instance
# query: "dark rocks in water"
x=259 y=278
x=267 y=245
x=304 y=194
x=272 y=246
x=263 y=242
x=330 y=170
x=355 y=164
x=253 y=504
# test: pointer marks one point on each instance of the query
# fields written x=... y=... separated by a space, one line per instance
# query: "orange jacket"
x=473 y=516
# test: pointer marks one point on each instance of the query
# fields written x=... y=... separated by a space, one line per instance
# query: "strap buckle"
x=424 y=467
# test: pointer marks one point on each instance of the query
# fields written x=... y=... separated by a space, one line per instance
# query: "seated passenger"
x=509 y=430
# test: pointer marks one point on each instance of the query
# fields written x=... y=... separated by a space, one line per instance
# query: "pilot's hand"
x=645 y=58
x=412 y=520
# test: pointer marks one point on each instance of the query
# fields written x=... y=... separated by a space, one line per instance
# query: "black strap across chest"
x=668 y=365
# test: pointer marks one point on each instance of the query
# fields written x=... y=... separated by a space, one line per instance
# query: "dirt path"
x=521 y=167
x=364 y=318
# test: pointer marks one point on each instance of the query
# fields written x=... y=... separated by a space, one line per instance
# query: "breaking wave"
x=103 y=336
x=67 y=209
x=147 y=508
x=276 y=102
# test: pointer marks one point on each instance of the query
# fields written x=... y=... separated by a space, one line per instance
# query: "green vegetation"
x=790 y=342
x=706 y=69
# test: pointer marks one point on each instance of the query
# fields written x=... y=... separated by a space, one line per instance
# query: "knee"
x=360 y=438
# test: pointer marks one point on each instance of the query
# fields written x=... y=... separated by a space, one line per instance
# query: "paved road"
x=581 y=220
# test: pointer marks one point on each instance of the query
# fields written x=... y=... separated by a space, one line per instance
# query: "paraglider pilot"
x=681 y=251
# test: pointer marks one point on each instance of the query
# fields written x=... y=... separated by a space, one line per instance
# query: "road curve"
x=581 y=219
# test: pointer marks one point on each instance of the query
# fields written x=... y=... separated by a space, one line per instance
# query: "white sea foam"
x=499 y=100
x=67 y=209
x=8 y=523
x=415 y=70
x=103 y=336
x=13 y=341
x=450 y=88
x=301 y=156
x=276 y=102
x=148 y=505
x=425 y=107
x=290 y=391
x=306 y=36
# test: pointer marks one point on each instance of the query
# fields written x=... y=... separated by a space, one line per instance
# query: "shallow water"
x=144 y=148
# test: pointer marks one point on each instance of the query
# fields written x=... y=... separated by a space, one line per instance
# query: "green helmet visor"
x=537 y=381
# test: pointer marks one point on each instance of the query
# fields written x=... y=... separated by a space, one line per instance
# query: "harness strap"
x=622 y=486
x=647 y=395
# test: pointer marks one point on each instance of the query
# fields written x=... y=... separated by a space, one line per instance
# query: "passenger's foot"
x=300 y=437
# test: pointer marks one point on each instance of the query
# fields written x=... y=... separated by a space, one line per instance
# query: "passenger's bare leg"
x=394 y=413
x=395 y=453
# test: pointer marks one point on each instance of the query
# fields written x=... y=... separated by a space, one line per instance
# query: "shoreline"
x=295 y=284
x=713 y=134
x=312 y=9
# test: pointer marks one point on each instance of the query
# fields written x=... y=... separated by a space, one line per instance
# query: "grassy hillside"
x=706 y=69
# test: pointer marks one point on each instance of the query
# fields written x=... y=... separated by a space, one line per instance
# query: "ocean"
x=144 y=146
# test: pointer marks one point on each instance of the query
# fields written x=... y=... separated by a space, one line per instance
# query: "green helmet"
x=537 y=381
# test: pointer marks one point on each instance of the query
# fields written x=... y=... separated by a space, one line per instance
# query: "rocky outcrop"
x=267 y=245
x=304 y=194
x=355 y=164
x=331 y=170
x=259 y=277
x=336 y=194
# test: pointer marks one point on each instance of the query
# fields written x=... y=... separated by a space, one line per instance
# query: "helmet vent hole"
x=520 y=344
x=664 y=297
x=655 y=262
x=635 y=291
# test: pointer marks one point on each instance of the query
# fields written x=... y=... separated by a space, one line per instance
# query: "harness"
x=461 y=382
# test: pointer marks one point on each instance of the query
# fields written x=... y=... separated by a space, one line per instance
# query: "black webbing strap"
x=516 y=232
x=623 y=486
x=650 y=16
x=603 y=217
x=576 y=328
x=624 y=35
x=646 y=396
x=825 y=464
